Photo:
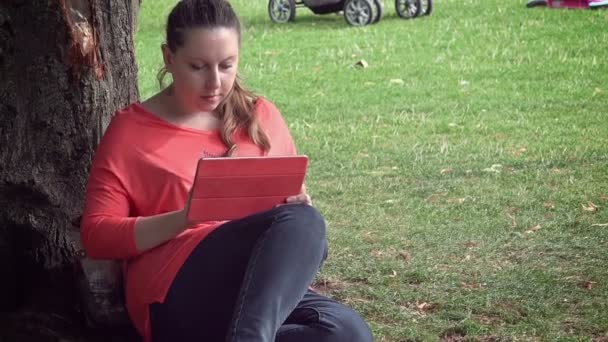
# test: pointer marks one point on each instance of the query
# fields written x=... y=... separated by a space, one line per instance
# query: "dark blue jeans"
x=248 y=281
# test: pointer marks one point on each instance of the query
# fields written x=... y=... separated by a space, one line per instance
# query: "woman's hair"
x=237 y=110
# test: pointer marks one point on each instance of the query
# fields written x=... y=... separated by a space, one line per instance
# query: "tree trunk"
x=65 y=67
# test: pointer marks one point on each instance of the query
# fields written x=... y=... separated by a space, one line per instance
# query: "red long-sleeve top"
x=145 y=166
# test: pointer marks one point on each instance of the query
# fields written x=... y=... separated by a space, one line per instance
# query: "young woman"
x=243 y=280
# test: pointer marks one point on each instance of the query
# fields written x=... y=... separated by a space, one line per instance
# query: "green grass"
x=428 y=240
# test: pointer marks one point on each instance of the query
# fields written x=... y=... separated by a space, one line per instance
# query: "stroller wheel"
x=282 y=11
x=379 y=11
x=426 y=7
x=407 y=8
x=359 y=12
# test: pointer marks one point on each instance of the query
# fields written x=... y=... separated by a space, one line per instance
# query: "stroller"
x=355 y=12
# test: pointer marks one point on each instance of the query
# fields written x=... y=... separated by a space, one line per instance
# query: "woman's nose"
x=213 y=79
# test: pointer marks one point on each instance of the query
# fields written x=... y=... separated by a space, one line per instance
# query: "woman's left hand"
x=301 y=198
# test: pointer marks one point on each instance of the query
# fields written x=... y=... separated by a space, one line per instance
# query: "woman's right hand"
x=152 y=231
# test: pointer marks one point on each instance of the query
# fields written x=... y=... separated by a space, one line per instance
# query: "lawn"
x=463 y=174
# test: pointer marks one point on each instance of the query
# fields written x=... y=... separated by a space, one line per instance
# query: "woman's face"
x=204 y=68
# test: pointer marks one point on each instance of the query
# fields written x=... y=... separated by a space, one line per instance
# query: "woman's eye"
x=226 y=66
x=196 y=67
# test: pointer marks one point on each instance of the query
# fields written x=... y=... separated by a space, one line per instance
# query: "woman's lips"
x=212 y=98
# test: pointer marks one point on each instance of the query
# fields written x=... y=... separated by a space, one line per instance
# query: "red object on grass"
x=568 y=3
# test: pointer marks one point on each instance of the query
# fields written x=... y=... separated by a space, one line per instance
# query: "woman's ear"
x=167 y=57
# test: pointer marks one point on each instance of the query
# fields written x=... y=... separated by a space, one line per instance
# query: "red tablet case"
x=235 y=187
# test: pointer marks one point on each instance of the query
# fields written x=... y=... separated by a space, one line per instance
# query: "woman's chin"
x=207 y=109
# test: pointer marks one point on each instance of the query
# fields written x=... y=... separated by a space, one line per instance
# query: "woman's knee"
x=304 y=227
x=302 y=216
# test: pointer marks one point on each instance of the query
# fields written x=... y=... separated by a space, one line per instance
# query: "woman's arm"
x=107 y=231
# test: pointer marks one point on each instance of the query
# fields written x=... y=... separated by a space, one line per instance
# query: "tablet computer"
x=234 y=187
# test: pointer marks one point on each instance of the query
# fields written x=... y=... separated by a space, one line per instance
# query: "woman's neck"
x=166 y=106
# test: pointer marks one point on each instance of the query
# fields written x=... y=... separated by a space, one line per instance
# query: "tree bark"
x=65 y=67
